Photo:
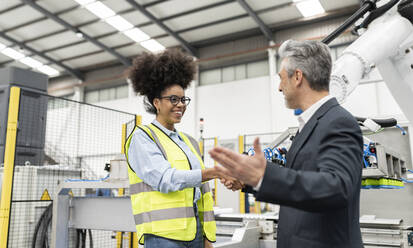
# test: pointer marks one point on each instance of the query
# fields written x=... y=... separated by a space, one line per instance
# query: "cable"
x=391 y=122
x=406 y=181
x=378 y=131
x=402 y=129
x=38 y=226
x=81 y=235
x=90 y=238
x=40 y=236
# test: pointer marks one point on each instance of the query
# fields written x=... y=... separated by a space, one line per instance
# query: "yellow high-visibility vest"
x=170 y=215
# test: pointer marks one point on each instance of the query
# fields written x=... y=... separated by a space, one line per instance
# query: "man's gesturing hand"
x=244 y=168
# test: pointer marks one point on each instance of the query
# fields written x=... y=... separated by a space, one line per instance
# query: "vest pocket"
x=168 y=226
x=169 y=200
x=169 y=212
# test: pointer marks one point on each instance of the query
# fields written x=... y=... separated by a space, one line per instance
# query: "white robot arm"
x=387 y=45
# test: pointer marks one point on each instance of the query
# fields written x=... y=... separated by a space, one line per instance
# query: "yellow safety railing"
x=215 y=180
x=9 y=155
x=241 y=194
x=131 y=237
x=121 y=191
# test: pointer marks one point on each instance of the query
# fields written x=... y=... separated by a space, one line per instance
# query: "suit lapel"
x=305 y=133
x=299 y=141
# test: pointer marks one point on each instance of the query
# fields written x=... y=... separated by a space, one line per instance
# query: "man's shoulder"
x=338 y=114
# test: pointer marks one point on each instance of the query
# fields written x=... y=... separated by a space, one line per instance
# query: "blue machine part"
x=369 y=154
x=276 y=155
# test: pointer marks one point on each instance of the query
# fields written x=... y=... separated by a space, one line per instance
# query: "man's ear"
x=298 y=76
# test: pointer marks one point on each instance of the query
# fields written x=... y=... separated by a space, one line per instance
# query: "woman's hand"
x=229 y=182
x=232 y=183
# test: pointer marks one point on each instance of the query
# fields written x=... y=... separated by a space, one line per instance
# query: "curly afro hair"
x=151 y=74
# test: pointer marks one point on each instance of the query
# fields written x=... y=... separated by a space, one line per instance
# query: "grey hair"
x=313 y=58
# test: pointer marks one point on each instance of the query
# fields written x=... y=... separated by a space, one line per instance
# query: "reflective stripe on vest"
x=163 y=214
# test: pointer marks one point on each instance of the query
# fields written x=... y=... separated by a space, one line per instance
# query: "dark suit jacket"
x=319 y=189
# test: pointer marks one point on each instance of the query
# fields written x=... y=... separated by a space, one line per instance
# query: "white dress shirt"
x=303 y=118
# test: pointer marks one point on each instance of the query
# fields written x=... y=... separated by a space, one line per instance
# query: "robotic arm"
x=387 y=45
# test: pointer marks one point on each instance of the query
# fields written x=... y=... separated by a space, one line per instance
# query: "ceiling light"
x=100 y=10
x=136 y=34
x=79 y=34
x=31 y=62
x=309 y=7
x=152 y=45
x=48 y=70
x=10 y=52
x=84 y=2
x=119 y=23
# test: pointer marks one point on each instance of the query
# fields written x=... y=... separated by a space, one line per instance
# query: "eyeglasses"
x=176 y=99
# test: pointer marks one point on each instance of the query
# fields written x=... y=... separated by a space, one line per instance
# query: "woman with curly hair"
x=171 y=203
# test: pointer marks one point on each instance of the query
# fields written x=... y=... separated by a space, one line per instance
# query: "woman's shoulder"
x=140 y=135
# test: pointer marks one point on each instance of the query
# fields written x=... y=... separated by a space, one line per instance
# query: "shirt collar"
x=164 y=129
x=304 y=117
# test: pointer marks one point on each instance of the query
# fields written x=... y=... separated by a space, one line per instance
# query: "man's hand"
x=244 y=168
x=207 y=244
x=216 y=172
x=232 y=184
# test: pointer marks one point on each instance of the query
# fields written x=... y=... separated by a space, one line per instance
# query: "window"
x=92 y=96
x=235 y=72
x=240 y=72
x=56 y=103
x=107 y=94
x=257 y=69
x=228 y=74
x=211 y=77
x=122 y=92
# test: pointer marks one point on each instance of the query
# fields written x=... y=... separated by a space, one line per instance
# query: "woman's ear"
x=156 y=103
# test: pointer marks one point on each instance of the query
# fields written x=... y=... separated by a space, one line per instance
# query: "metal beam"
x=265 y=30
x=125 y=61
x=330 y=15
x=11 y=8
x=110 y=33
x=167 y=18
x=71 y=71
x=67 y=10
x=126 y=11
x=25 y=24
x=151 y=17
x=239 y=35
x=232 y=18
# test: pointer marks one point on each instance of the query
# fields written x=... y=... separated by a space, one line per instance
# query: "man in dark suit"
x=319 y=189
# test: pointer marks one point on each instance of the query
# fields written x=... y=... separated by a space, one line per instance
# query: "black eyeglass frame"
x=174 y=99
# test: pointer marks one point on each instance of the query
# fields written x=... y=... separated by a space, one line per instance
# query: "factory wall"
x=244 y=107
x=250 y=105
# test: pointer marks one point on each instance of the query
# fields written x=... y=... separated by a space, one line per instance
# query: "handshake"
x=229 y=182
x=238 y=170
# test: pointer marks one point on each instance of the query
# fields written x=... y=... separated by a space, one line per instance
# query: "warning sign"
x=45 y=196
x=71 y=193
